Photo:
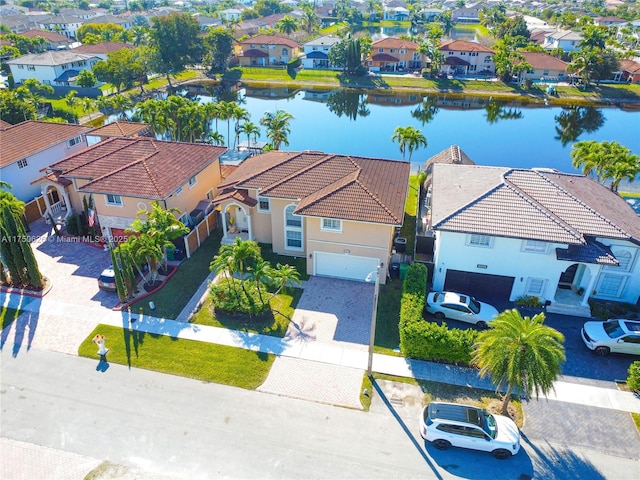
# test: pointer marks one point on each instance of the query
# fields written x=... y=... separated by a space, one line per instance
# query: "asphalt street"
x=181 y=428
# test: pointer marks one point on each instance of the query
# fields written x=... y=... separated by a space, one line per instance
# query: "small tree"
x=633 y=380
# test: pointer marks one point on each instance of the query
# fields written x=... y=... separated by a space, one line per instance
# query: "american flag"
x=92 y=217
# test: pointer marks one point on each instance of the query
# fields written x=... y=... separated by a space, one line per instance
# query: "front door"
x=241 y=220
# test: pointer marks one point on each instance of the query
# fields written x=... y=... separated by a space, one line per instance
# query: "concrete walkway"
x=58 y=326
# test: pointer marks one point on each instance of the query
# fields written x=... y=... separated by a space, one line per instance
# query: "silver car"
x=458 y=306
x=615 y=335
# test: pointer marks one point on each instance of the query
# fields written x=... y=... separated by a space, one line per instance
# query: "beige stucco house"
x=339 y=212
x=125 y=175
x=264 y=50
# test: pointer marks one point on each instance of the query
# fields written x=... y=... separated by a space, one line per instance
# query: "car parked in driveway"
x=107 y=280
x=615 y=335
x=459 y=306
x=450 y=424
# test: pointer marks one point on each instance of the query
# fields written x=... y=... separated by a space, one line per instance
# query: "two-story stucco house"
x=125 y=175
x=264 y=50
x=507 y=232
x=544 y=66
x=55 y=67
x=67 y=25
x=30 y=146
x=316 y=52
x=339 y=212
x=463 y=58
x=394 y=54
x=564 y=39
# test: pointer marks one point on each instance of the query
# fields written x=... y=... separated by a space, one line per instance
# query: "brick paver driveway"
x=72 y=267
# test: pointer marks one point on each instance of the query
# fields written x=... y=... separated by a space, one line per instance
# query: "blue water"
x=525 y=142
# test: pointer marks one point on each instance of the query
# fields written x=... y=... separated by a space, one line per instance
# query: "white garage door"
x=344 y=266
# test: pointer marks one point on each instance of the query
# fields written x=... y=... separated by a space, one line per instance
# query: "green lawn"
x=388 y=317
x=172 y=298
x=187 y=358
x=274 y=324
x=8 y=315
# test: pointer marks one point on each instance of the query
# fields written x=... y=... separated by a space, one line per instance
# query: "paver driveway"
x=73 y=268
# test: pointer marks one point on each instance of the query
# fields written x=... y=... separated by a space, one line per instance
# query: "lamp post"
x=374 y=315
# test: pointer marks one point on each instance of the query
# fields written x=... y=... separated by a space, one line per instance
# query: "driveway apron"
x=330 y=311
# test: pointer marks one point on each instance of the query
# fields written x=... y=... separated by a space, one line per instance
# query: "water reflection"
x=496 y=111
x=574 y=121
x=350 y=104
x=426 y=110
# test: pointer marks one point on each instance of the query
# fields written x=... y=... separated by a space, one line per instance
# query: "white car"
x=615 y=335
x=465 y=426
x=458 y=306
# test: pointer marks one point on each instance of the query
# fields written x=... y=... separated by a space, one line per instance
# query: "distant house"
x=29 y=146
x=396 y=14
x=253 y=26
x=84 y=14
x=394 y=54
x=125 y=22
x=463 y=58
x=124 y=175
x=630 y=71
x=544 y=66
x=67 y=25
x=566 y=40
x=466 y=14
x=608 y=21
x=265 y=50
x=102 y=49
x=339 y=212
x=316 y=52
x=56 y=68
x=19 y=22
x=230 y=14
x=55 y=41
x=506 y=232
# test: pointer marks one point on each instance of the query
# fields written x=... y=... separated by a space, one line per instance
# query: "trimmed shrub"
x=239 y=298
x=425 y=340
x=633 y=381
x=72 y=225
x=529 y=301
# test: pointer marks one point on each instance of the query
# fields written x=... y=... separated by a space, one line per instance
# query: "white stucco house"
x=55 y=67
x=566 y=40
x=316 y=52
x=30 y=146
x=504 y=233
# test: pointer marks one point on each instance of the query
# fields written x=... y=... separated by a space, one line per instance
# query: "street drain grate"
x=396 y=401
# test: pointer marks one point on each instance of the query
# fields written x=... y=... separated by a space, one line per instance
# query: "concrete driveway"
x=72 y=267
x=330 y=311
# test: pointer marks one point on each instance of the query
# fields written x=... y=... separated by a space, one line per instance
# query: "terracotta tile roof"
x=543 y=61
x=391 y=42
x=102 y=48
x=254 y=52
x=529 y=204
x=463 y=46
x=137 y=167
x=270 y=40
x=630 y=66
x=226 y=170
x=384 y=57
x=55 y=178
x=51 y=36
x=120 y=129
x=4 y=125
x=241 y=196
x=28 y=138
x=327 y=185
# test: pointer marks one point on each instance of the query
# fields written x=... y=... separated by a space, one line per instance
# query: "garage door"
x=480 y=285
x=350 y=267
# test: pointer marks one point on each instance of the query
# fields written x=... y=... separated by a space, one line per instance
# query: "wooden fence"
x=200 y=233
x=35 y=209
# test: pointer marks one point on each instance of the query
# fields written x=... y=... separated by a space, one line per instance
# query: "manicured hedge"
x=425 y=340
x=633 y=381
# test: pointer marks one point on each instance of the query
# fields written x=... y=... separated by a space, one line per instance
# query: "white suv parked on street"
x=451 y=424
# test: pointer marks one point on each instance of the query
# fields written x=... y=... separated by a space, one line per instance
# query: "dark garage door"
x=481 y=285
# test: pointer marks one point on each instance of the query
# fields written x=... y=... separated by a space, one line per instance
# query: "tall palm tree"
x=277 y=125
x=521 y=354
x=215 y=138
x=585 y=156
x=239 y=114
x=283 y=276
x=408 y=138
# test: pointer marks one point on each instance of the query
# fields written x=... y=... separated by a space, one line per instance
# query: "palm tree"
x=586 y=156
x=215 y=138
x=409 y=139
x=521 y=354
x=239 y=114
x=283 y=276
x=250 y=129
x=287 y=25
x=277 y=125
x=309 y=17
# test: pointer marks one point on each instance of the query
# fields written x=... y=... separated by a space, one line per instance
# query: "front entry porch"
x=568 y=302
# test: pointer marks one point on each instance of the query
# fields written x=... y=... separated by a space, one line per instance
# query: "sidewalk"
x=66 y=320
